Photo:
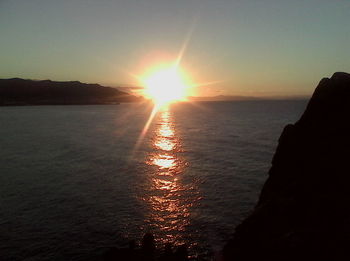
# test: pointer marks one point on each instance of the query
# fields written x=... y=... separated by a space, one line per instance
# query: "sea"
x=76 y=181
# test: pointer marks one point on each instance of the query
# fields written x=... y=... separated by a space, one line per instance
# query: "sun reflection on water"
x=164 y=161
x=168 y=198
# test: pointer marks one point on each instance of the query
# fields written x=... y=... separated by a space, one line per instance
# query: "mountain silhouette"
x=18 y=91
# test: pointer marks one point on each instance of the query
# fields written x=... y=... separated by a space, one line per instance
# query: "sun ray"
x=165 y=85
x=146 y=127
x=185 y=43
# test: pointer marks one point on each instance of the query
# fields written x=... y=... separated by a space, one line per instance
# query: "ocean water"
x=76 y=180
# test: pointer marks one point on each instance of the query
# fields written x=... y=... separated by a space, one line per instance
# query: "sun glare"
x=165 y=85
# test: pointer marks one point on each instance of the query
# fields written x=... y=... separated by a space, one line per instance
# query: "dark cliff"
x=28 y=92
x=303 y=212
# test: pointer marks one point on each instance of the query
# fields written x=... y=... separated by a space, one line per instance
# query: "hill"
x=18 y=91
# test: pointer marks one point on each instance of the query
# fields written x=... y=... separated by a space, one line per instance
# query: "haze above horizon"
x=255 y=48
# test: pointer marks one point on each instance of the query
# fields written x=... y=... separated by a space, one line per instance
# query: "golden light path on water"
x=169 y=200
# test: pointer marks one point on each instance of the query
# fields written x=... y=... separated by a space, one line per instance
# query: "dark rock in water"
x=147 y=252
x=303 y=212
x=148 y=247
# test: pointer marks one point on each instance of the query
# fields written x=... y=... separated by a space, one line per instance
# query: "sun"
x=166 y=84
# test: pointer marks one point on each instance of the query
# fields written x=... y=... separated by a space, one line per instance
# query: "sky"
x=232 y=47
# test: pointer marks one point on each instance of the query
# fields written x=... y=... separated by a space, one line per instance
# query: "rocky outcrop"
x=147 y=252
x=303 y=212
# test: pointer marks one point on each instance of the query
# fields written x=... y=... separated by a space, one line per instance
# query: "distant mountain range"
x=18 y=91
x=245 y=98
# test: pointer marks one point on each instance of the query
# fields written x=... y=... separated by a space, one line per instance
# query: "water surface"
x=77 y=179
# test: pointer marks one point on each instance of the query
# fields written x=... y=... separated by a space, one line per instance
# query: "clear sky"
x=255 y=47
